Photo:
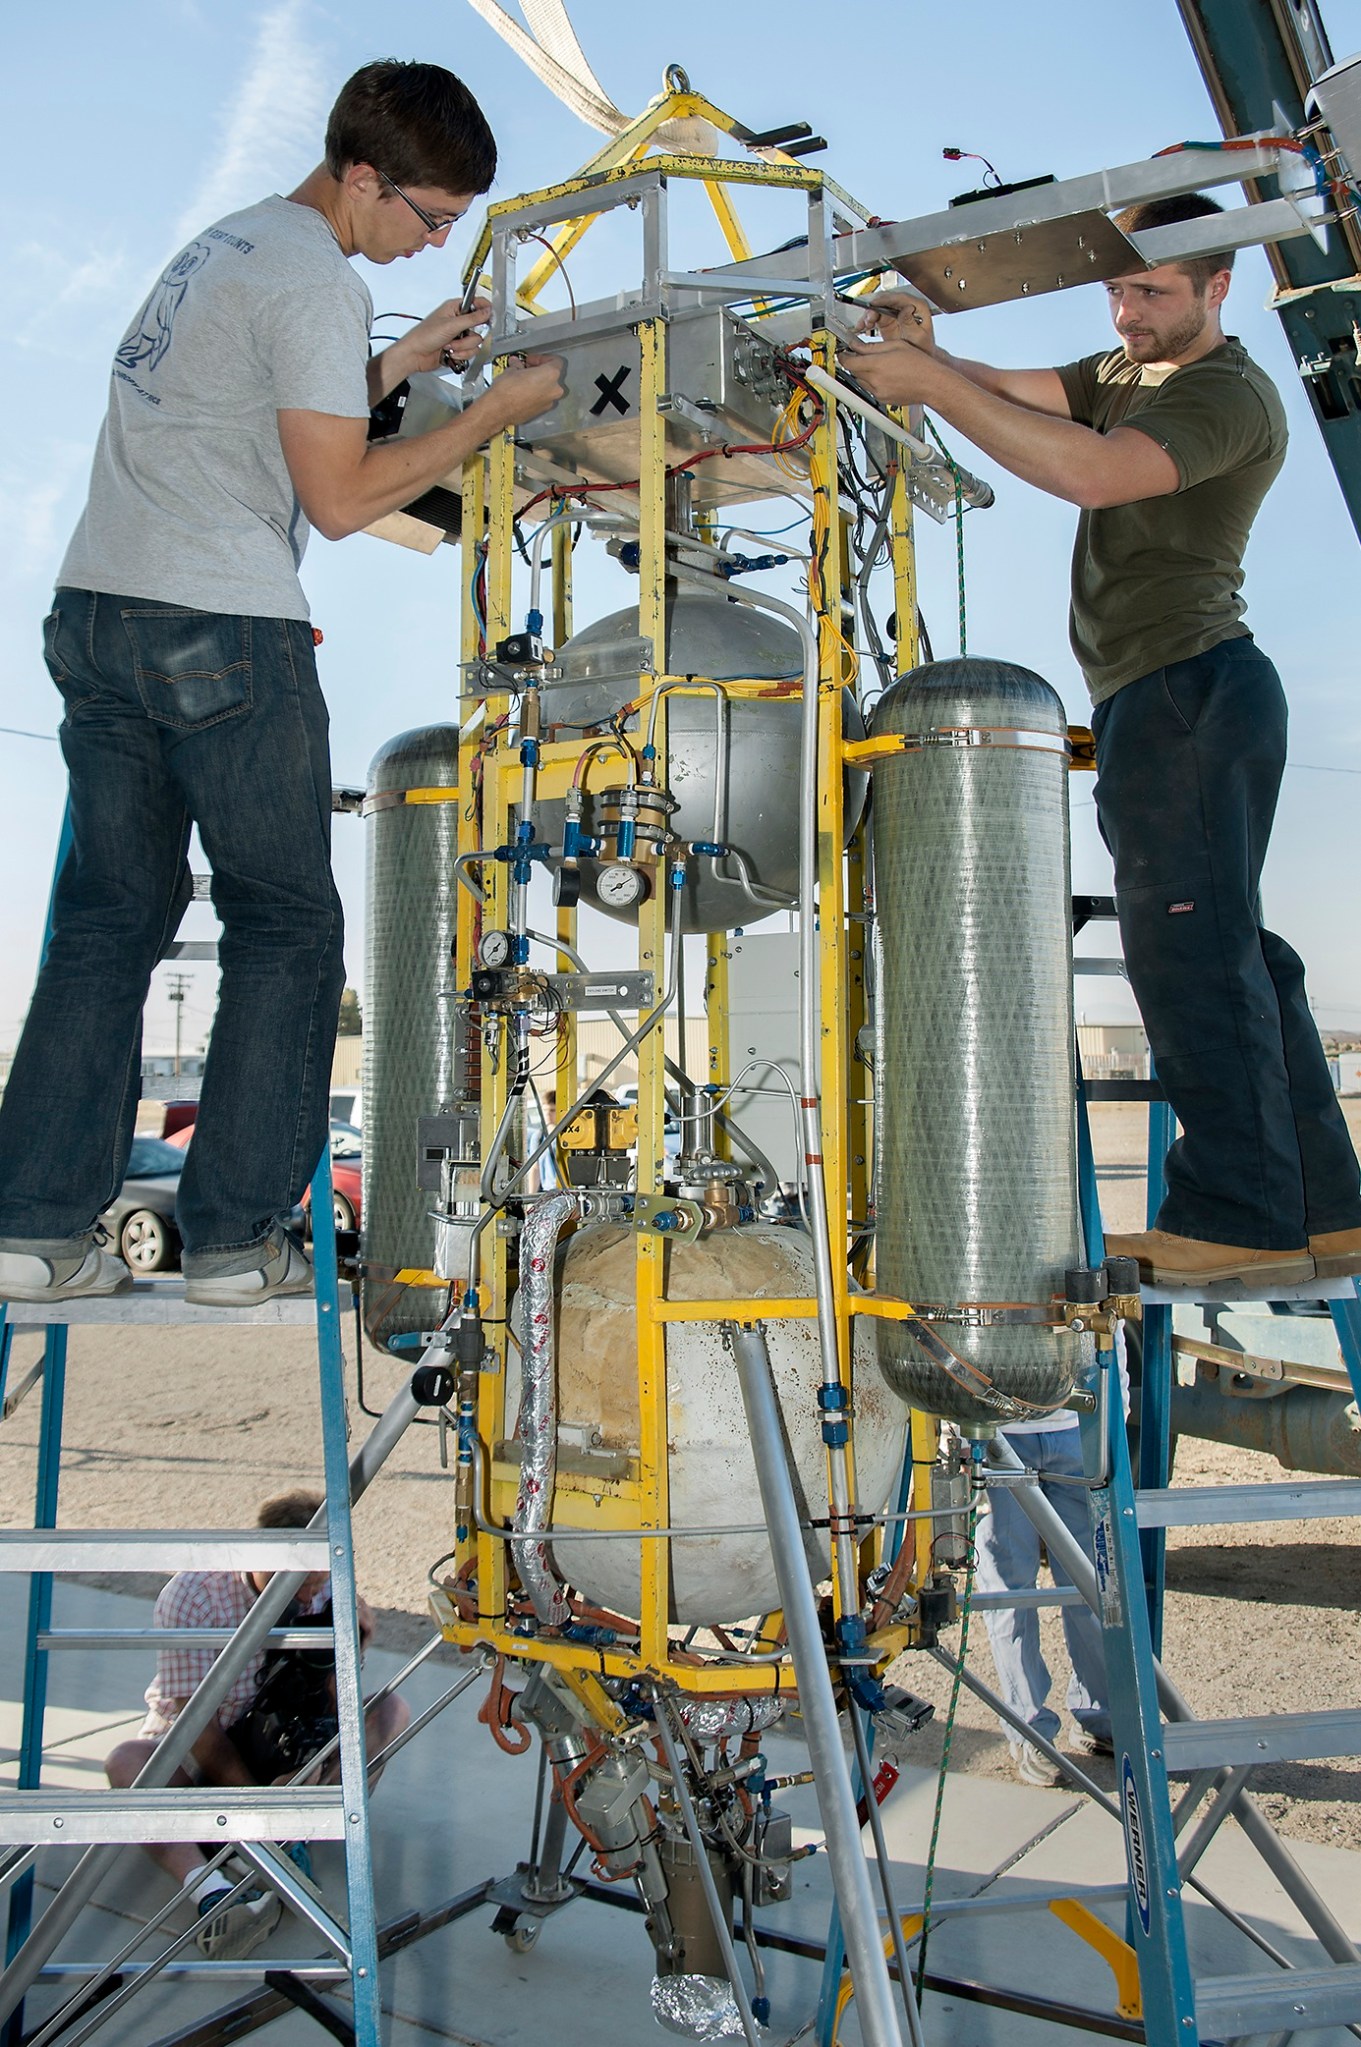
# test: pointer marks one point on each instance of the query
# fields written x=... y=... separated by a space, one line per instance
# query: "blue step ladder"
x=1154 y=1730
x=254 y=1820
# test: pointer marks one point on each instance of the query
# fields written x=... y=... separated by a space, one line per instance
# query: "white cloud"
x=35 y=507
x=272 y=130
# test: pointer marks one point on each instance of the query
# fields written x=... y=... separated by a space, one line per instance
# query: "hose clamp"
x=965 y=738
x=992 y=1314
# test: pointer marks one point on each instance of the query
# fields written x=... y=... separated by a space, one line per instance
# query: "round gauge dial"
x=621 y=886
x=494 y=950
x=567 y=887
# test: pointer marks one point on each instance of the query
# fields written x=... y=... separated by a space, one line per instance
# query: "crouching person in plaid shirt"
x=280 y=1711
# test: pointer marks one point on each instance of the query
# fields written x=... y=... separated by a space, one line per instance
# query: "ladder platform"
x=1295 y=2000
x=1264 y=1738
x=157 y=1303
x=1232 y=1290
x=205 y=1813
x=168 y=1549
x=1208 y=1506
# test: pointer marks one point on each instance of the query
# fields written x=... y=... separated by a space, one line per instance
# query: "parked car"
x=141 y=1220
x=347 y=1160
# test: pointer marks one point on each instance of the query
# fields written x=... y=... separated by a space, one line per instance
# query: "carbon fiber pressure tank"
x=977 y=1146
x=412 y=1051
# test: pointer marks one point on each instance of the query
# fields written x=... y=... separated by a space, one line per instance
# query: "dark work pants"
x=175 y=715
x=1189 y=763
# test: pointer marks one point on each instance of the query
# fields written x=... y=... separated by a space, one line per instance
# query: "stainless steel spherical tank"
x=711 y=1474
x=734 y=769
x=410 y=1041
x=977 y=1161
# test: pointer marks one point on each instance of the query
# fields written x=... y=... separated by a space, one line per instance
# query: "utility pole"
x=176 y=992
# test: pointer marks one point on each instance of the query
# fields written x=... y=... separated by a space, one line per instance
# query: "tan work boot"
x=1167 y=1260
x=1336 y=1253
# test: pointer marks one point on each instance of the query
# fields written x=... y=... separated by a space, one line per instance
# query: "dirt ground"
x=193 y=1430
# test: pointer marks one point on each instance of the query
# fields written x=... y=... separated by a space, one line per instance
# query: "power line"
x=17 y=732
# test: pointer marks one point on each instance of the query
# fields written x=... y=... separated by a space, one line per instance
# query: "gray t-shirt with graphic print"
x=190 y=498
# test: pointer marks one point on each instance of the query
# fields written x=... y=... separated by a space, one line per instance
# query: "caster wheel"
x=523 y=1935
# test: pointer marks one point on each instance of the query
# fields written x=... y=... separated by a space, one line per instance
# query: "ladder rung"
x=1268 y=1738
x=1299 y=2000
x=163 y=1549
x=1207 y=1506
x=158 y=1302
x=167 y=1638
x=206 y=1813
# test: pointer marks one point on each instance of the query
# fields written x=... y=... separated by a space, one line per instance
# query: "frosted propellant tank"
x=711 y=1471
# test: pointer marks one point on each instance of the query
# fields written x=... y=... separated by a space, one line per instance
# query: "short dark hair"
x=289 y=1510
x=1166 y=213
x=416 y=123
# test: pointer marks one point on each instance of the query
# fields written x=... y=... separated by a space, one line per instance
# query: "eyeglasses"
x=427 y=220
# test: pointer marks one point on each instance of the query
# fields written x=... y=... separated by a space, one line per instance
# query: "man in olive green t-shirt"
x=1168 y=444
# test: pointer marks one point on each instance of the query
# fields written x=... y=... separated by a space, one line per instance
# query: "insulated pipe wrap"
x=977 y=1165
x=536 y=1428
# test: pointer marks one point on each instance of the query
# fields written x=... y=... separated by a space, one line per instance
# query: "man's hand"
x=524 y=393
x=437 y=336
x=895 y=371
x=899 y=316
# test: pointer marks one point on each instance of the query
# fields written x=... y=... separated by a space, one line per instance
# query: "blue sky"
x=129 y=132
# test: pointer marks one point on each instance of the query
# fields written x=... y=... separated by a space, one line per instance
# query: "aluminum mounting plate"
x=1022 y=261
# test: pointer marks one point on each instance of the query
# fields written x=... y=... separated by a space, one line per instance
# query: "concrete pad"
x=452 y=1812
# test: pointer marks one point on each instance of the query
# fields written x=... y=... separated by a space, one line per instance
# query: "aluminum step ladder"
x=256 y=1819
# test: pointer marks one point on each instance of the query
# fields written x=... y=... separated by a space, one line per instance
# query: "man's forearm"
x=1060 y=456
x=391 y=474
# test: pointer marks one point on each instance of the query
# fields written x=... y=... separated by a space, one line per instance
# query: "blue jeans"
x=1009 y=1561
x=1189 y=762
x=176 y=716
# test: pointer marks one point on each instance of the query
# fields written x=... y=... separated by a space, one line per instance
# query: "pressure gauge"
x=620 y=887
x=494 y=950
x=567 y=887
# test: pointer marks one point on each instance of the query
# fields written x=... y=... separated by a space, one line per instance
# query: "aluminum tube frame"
x=885 y=1873
x=836 y=1799
x=81 y=1885
x=1327 y=1929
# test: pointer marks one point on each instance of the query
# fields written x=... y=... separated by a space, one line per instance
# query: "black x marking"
x=610 y=393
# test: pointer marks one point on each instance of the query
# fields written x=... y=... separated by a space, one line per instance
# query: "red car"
x=346 y=1162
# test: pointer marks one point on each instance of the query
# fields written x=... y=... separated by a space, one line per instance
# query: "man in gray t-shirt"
x=238 y=418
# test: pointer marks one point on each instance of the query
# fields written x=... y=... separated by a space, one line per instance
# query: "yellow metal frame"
x=489 y=773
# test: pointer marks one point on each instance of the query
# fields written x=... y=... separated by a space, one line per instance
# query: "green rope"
x=965 y=1608
x=953 y=467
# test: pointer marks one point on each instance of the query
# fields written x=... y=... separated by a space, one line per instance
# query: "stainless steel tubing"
x=895 y=1917
x=1329 y=1932
x=836 y=1799
x=81 y=1885
x=722 y=1924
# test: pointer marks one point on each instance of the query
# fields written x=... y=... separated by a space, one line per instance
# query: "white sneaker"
x=286 y=1271
x=235 y=1930
x=24 y=1277
x=1034 y=1768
